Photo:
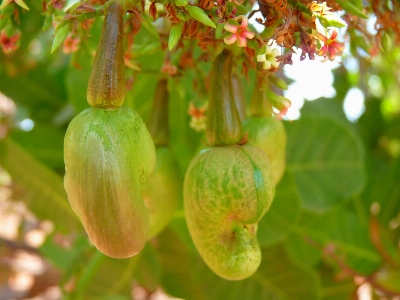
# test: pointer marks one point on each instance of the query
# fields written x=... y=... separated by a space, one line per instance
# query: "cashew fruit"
x=108 y=154
x=227 y=190
x=268 y=134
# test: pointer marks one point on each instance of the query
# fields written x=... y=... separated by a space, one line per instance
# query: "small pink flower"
x=239 y=33
x=331 y=47
x=9 y=44
x=71 y=44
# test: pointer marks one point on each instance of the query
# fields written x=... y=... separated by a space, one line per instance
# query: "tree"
x=333 y=226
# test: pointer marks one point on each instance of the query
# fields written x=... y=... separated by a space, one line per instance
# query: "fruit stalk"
x=260 y=106
x=238 y=95
x=223 y=123
x=106 y=88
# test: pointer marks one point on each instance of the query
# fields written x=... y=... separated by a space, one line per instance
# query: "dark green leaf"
x=284 y=211
x=384 y=189
x=327 y=107
x=188 y=277
x=148 y=270
x=341 y=230
x=76 y=81
x=301 y=251
x=104 y=275
x=45 y=143
x=334 y=287
x=326 y=159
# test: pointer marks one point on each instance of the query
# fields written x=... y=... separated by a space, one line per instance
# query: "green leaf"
x=283 y=213
x=66 y=259
x=174 y=35
x=148 y=270
x=342 y=230
x=334 y=288
x=332 y=21
x=44 y=143
x=279 y=82
x=22 y=4
x=5 y=3
x=326 y=159
x=46 y=196
x=351 y=9
x=76 y=81
x=60 y=35
x=384 y=189
x=300 y=251
x=327 y=107
x=181 y=2
x=178 y=278
x=187 y=276
x=198 y=14
x=104 y=275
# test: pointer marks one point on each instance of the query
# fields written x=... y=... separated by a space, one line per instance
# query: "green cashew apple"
x=108 y=155
x=268 y=134
x=227 y=190
x=162 y=190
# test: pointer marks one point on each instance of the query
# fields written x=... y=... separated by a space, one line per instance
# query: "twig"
x=329 y=250
x=376 y=240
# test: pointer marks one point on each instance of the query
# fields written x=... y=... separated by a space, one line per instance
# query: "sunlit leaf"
x=22 y=4
x=46 y=196
x=61 y=35
x=4 y=3
x=175 y=35
x=349 y=7
x=198 y=14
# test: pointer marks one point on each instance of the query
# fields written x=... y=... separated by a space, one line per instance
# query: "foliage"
x=335 y=216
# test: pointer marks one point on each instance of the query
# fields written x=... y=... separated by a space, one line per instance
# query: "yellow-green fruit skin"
x=268 y=134
x=108 y=154
x=162 y=190
x=227 y=190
